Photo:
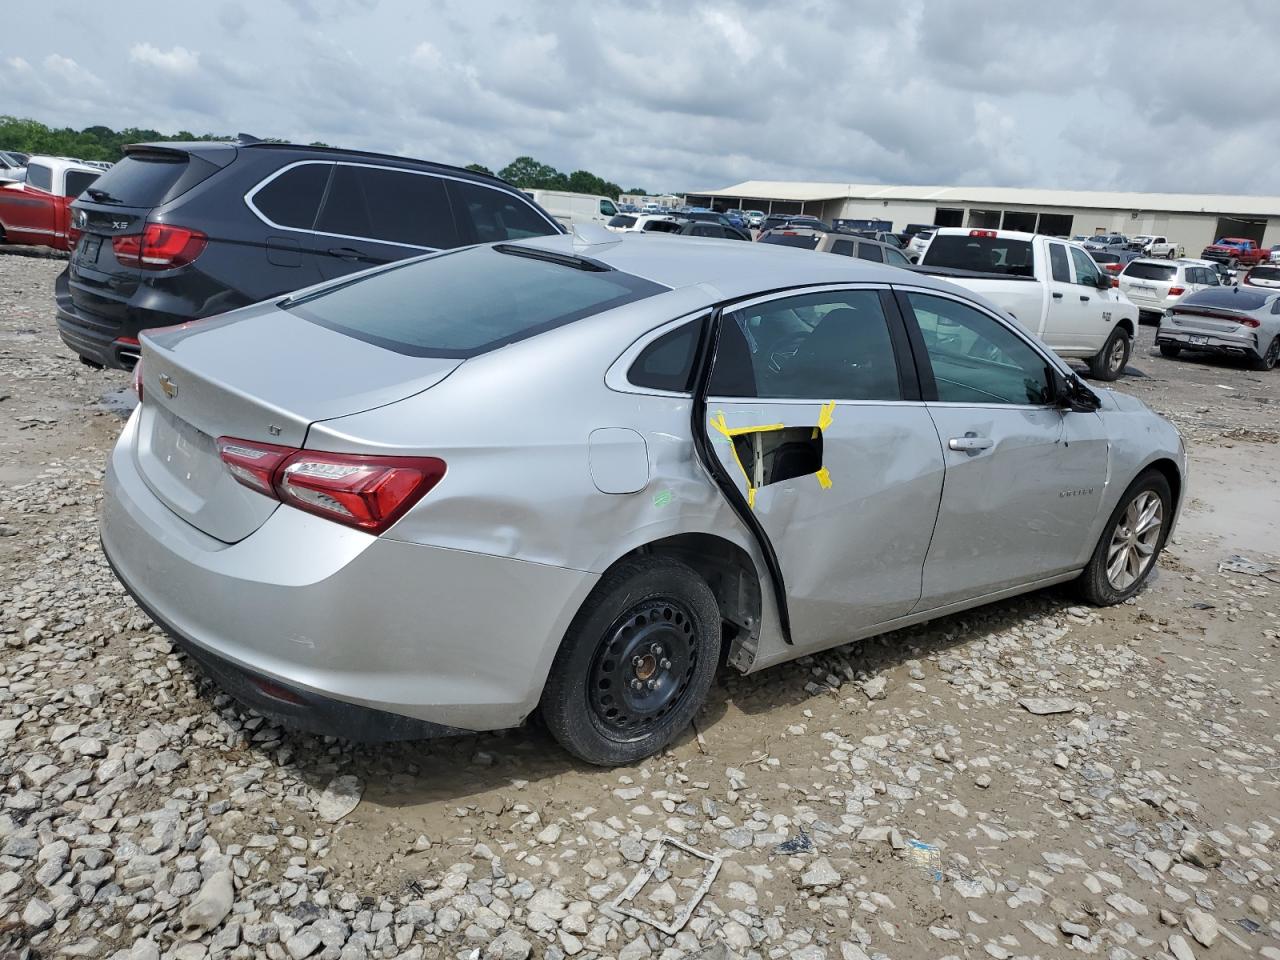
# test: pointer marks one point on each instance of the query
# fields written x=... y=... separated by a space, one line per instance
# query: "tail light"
x=367 y=492
x=160 y=246
x=982 y=233
x=1249 y=322
x=1115 y=281
x=1177 y=291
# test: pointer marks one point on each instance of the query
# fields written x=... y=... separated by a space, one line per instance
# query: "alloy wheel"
x=1272 y=356
x=1134 y=541
x=642 y=670
x=1115 y=359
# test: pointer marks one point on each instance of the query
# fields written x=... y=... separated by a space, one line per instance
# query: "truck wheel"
x=1170 y=350
x=1109 y=362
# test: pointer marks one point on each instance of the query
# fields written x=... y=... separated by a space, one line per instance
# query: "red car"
x=1235 y=250
x=38 y=212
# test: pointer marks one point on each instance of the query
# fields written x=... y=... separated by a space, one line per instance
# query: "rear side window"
x=469 y=301
x=494 y=215
x=1005 y=255
x=40 y=177
x=1150 y=271
x=150 y=179
x=293 y=198
x=1265 y=273
x=894 y=258
x=1059 y=264
x=869 y=251
x=661 y=226
x=622 y=220
x=391 y=206
x=667 y=363
x=78 y=181
x=792 y=240
x=843 y=247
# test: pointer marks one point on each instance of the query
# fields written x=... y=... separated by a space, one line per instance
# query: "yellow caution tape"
x=721 y=426
x=824 y=478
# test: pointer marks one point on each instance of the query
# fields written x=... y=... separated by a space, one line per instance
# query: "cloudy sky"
x=1131 y=95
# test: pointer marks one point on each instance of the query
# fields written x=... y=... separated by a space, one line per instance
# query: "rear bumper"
x=355 y=627
x=99 y=340
x=1243 y=345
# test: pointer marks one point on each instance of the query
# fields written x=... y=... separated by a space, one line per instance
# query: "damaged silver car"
x=575 y=474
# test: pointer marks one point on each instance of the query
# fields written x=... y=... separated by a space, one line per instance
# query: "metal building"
x=1189 y=219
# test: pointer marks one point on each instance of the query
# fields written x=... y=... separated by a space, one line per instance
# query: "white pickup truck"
x=1152 y=246
x=1053 y=288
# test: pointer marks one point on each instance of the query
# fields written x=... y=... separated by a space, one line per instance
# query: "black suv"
x=178 y=231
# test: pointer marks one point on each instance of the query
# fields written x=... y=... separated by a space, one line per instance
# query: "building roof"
x=999 y=196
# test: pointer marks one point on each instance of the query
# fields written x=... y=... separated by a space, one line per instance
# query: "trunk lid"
x=260 y=373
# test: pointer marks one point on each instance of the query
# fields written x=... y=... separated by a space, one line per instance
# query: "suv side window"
x=388 y=206
x=1059 y=264
x=494 y=215
x=817 y=346
x=895 y=259
x=842 y=247
x=975 y=358
x=293 y=198
x=869 y=251
x=1086 y=269
x=667 y=363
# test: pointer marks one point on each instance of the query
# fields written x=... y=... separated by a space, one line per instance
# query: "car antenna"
x=248 y=138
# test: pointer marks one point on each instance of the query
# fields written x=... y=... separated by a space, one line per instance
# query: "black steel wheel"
x=635 y=664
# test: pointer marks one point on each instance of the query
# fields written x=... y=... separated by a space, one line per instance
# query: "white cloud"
x=176 y=60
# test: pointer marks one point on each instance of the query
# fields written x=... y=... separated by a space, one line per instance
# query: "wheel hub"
x=642 y=668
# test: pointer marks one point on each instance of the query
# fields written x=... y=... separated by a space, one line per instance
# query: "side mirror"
x=1103 y=280
x=1070 y=393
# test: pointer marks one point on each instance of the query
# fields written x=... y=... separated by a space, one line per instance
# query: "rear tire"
x=1170 y=350
x=1109 y=362
x=1129 y=546
x=651 y=622
x=1269 y=359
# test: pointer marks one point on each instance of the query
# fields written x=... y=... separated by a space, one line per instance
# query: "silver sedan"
x=1241 y=321
x=565 y=474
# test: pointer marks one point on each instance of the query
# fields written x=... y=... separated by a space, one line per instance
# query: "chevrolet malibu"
x=575 y=474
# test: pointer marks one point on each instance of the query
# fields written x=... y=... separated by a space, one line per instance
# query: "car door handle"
x=1057 y=296
x=347 y=253
x=1084 y=299
x=970 y=443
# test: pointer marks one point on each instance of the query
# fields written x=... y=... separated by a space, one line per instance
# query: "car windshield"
x=804 y=241
x=1139 y=270
x=467 y=302
x=1228 y=298
x=1007 y=255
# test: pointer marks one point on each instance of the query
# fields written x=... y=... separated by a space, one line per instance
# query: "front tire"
x=1109 y=362
x=636 y=662
x=1130 y=543
x=1269 y=359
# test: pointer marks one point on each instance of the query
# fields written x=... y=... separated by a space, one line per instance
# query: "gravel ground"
x=1025 y=780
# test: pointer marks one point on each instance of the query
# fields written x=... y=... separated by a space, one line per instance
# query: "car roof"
x=727 y=269
x=1159 y=261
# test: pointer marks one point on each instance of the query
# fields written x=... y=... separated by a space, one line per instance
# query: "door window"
x=1059 y=264
x=391 y=206
x=894 y=258
x=818 y=346
x=293 y=198
x=78 y=181
x=1086 y=269
x=843 y=247
x=869 y=251
x=607 y=208
x=975 y=358
x=495 y=215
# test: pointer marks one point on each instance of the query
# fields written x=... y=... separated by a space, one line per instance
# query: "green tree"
x=478 y=168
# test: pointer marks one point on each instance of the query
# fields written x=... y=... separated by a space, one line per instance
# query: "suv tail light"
x=160 y=246
x=1177 y=291
x=367 y=492
x=982 y=233
x=1115 y=281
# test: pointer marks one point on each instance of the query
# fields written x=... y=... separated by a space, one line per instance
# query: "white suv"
x=1156 y=285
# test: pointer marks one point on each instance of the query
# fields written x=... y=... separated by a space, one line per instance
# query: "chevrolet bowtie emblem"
x=168 y=385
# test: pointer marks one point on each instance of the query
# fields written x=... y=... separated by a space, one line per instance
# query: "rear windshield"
x=150 y=179
x=1101 y=257
x=1264 y=273
x=467 y=302
x=1227 y=298
x=792 y=240
x=1150 y=271
x=622 y=221
x=1005 y=255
